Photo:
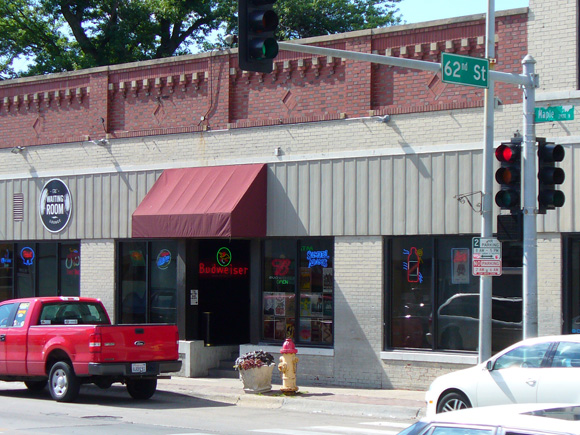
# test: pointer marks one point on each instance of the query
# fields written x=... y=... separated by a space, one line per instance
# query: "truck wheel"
x=141 y=389
x=62 y=382
x=35 y=385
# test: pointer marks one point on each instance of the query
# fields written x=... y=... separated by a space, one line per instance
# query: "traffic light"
x=549 y=176
x=508 y=175
x=257 y=45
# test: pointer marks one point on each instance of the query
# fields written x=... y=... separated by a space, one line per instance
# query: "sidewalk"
x=396 y=404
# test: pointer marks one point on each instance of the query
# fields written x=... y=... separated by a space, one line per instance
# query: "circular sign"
x=224 y=257
x=163 y=259
x=55 y=205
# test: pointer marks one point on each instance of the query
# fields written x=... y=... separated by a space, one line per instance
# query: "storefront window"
x=46 y=254
x=70 y=269
x=434 y=298
x=6 y=270
x=298 y=296
x=572 y=292
x=42 y=269
x=412 y=276
x=147 y=282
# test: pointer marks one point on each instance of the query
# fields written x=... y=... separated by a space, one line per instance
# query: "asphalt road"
x=113 y=412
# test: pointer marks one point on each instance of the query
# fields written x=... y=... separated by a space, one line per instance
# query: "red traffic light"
x=507 y=152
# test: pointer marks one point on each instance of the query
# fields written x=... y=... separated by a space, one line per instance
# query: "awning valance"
x=210 y=201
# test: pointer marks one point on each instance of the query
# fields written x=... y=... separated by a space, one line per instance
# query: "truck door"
x=6 y=316
x=15 y=341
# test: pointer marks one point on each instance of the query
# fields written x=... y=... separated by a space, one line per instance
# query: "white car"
x=519 y=419
x=544 y=369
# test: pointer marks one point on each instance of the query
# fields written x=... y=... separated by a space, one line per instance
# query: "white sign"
x=486 y=258
x=194 y=297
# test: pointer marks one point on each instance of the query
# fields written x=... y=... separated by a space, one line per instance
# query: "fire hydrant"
x=287 y=366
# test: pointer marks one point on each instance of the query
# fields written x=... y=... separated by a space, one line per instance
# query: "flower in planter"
x=256 y=358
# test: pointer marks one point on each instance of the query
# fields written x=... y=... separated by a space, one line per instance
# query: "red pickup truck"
x=69 y=341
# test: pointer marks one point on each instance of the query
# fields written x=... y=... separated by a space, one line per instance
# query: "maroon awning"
x=209 y=201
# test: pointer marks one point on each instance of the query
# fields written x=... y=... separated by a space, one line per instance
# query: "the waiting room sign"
x=55 y=205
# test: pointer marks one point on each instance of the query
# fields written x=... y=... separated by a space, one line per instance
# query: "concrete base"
x=198 y=358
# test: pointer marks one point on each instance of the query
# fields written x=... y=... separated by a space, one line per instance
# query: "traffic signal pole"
x=530 y=256
x=485 y=281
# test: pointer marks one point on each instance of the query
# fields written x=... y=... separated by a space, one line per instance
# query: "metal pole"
x=485 y=282
x=530 y=256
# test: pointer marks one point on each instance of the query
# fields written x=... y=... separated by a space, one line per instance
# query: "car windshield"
x=414 y=429
x=73 y=313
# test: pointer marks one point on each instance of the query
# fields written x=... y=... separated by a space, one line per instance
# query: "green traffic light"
x=263 y=48
x=507 y=198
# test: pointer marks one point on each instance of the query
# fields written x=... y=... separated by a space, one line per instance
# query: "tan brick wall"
x=98 y=272
x=553 y=36
x=549 y=284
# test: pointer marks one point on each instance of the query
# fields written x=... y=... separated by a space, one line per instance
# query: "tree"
x=66 y=35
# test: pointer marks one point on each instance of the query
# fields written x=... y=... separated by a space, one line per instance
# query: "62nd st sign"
x=465 y=70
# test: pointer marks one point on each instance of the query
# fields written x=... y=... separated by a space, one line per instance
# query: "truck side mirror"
x=489 y=365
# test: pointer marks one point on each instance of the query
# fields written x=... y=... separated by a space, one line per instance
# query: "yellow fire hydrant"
x=287 y=366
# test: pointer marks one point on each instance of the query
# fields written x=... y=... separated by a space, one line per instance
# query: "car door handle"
x=2 y=337
x=531 y=382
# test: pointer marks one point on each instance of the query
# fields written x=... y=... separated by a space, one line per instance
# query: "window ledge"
x=315 y=351
x=436 y=357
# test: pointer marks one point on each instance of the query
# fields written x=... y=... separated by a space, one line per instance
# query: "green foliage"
x=66 y=35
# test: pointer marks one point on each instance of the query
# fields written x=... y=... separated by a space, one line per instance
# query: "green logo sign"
x=554 y=113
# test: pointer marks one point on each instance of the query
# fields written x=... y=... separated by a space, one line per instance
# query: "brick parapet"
x=196 y=93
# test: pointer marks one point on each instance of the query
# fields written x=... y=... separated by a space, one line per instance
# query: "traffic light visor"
x=264 y=21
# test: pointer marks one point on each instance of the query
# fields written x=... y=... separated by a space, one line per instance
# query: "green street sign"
x=465 y=70
x=554 y=113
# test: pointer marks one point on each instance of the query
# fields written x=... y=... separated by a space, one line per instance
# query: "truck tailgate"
x=137 y=343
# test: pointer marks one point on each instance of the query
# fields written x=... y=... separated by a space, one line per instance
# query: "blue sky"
x=415 y=11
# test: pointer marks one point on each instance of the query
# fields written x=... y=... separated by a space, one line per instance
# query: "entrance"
x=224 y=291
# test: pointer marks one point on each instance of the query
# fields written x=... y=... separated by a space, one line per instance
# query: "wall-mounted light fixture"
x=277 y=151
x=17 y=150
x=384 y=119
x=101 y=142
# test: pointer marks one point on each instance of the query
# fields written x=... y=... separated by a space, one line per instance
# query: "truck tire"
x=35 y=385
x=63 y=384
x=141 y=389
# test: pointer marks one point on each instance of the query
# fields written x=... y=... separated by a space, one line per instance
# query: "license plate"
x=138 y=367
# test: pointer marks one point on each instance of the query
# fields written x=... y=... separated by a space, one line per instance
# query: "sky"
x=416 y=11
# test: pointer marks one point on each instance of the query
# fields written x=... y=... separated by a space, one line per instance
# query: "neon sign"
x=414 y=259
x=224 y=257
x=72 y=262
x=223 y=267
x=317 y=258
x=27 y=255
x=163 y=259
x=281 y=266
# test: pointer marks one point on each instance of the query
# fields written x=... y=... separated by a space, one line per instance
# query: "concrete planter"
x=257 y=379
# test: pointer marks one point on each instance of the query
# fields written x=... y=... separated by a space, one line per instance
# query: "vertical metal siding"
x=398 y=194
x=102 y=206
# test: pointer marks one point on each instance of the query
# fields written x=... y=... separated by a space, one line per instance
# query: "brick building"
x=250 y=207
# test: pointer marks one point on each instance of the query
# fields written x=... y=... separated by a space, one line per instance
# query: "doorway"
x=224 y=291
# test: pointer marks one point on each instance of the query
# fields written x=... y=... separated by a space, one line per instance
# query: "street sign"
x=554 y=113
x=486 y=256
x=464 y=70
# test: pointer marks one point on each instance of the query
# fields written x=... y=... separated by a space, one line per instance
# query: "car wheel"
x=141 y=389
x=62 y=382
x=35 y=385
x=452 y=402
